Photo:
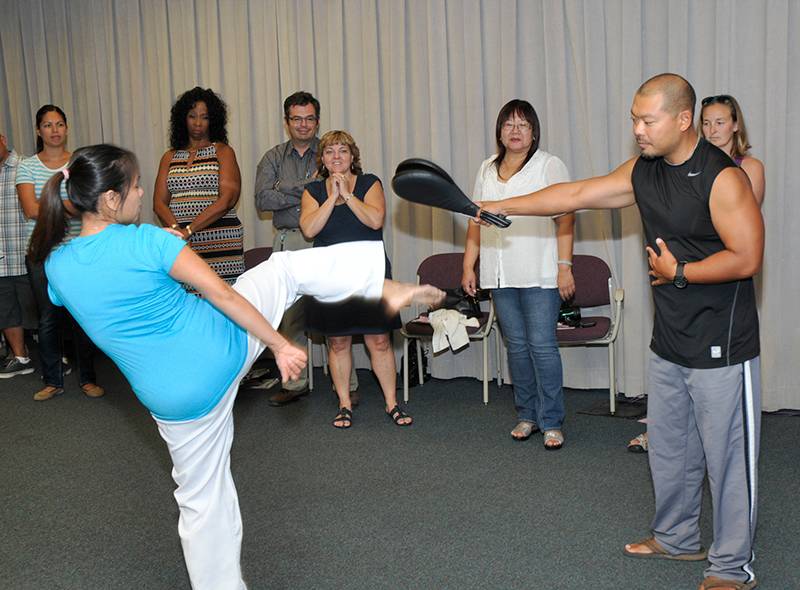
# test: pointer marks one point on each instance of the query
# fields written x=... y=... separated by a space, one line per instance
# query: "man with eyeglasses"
x=281 y=177
x=705 y=241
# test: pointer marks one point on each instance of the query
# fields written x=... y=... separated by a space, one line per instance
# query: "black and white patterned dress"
x=192 y=188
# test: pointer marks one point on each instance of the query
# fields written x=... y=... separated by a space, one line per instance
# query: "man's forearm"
x=275 y=200
x=553 y=200
x=272 y=193
x=724 y=266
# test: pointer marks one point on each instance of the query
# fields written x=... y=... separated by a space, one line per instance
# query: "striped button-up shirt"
x=13 y=239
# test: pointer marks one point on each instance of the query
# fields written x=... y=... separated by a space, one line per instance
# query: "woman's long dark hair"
x=524 y=110
x=91 y=171
x=48 y=108
x=217 y=117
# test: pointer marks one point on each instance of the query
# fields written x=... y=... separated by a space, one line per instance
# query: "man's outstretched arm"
x=612 y=191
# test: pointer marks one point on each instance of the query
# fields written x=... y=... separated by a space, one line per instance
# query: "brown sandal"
x=658 y=552
x=714 y=582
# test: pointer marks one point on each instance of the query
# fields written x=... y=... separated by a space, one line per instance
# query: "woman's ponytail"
x=92 y=171
x=51 y=224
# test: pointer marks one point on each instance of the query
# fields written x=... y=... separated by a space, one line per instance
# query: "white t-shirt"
x=525 y=254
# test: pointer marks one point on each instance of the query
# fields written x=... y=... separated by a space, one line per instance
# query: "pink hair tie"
x=65 y=172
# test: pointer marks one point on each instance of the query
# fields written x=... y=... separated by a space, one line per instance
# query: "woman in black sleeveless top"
x=347 y=205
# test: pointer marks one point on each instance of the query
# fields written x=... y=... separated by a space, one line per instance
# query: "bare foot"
x=398 y=295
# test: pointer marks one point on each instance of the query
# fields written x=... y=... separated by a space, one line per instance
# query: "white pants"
x=210 y=525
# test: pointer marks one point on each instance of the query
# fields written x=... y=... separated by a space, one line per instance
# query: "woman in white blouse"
x=528 y=267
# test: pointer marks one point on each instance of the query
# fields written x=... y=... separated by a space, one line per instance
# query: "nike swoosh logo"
x=693 y=174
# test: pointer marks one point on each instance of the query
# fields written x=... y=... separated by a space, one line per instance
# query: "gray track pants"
x=698 y=420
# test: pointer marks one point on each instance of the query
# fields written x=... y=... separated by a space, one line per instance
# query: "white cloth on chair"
x=450 y=329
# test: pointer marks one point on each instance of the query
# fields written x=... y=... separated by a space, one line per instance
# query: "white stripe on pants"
x=210 y=525
x=706 y=420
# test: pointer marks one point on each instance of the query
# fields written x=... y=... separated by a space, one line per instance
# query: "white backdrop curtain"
x=426 y=78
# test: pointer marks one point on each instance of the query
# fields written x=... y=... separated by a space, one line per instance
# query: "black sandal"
x=396 y=414
x=345 y=416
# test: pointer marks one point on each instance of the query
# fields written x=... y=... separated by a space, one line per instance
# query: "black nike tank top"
x=701 y=326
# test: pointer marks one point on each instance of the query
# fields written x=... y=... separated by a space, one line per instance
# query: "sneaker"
x=12 y=366
x=47 y=392
x=93 y=390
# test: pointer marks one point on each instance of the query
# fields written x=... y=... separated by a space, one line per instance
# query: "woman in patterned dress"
x=198 y=183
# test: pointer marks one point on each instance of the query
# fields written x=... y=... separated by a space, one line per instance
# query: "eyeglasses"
x=523 y=126
x=726 y=98
x=310 y=120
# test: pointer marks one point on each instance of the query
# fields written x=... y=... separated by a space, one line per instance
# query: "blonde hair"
x=741 y=146
x=338 y=137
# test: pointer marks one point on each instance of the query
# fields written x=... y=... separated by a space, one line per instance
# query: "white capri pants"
x=210 y=525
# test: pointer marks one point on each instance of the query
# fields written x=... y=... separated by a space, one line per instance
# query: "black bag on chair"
x=462 y=302
x=570 y=315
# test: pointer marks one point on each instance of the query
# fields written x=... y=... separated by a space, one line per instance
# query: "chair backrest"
x=442 y=270
x=255 y=256
x=591 y=281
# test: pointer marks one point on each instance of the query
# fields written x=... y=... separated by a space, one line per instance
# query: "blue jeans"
x=528 y=319
x=50 y=337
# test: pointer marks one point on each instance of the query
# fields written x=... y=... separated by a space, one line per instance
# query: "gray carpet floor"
x=451 y=502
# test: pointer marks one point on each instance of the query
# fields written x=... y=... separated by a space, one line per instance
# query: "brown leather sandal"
x=714 y=582
x=658 y=552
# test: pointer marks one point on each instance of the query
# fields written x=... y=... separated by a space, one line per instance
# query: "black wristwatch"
x=680 y=280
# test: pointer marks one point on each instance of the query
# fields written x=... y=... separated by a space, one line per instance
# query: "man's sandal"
x=639 y=444
x=344 y=417
x=658 y=552
x=553 y=440
x=714 y=582
x=523 y=430
x=396 y=414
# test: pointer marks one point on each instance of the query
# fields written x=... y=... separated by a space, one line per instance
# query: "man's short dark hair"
x=677 y=92
x=300 y=99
